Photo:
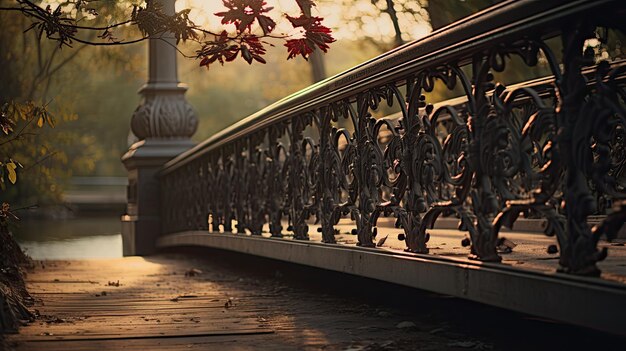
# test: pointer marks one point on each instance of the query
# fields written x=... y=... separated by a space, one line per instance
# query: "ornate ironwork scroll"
x=551 y=148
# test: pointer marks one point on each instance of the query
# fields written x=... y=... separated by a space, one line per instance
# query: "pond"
x=76 y=238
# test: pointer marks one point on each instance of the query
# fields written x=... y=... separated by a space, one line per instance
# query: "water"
x=77 y=238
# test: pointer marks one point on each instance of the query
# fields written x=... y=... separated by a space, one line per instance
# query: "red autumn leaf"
x=243 y=13
x=267 y=24
x=245 y=53
x=320 y=35
x=297 y=47
x=305 y=6
x=259 y=59
x=216 y=51
x=254 y=43
x=304 y=21
x=315 y=34
x=231 y=55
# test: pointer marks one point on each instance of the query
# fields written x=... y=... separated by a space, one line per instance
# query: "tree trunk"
x=391 y=11
x=318 y=69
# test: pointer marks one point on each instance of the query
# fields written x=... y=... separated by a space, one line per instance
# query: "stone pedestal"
x=141 y=224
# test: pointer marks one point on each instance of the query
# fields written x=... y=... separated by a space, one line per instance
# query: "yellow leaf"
x=40 y=122
x=12 y=175
x=50 y=121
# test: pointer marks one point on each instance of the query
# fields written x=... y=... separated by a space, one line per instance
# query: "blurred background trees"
x=90 y=92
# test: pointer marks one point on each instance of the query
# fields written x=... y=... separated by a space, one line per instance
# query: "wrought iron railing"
x=550 y=148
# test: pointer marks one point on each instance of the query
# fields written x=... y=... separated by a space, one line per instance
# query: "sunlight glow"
x=377 y=25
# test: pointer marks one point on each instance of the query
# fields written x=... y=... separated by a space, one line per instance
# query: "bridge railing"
x=549 y=148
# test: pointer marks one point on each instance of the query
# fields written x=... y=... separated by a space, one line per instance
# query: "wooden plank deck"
x=254 y=307
x=157 y=306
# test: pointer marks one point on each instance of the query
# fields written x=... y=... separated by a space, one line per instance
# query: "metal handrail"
x=508 y=18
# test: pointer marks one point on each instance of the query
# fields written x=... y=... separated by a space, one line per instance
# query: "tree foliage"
x=34 y=158
x=247 y=27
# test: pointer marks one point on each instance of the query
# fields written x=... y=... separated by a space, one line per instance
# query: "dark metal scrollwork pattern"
x=551 y=149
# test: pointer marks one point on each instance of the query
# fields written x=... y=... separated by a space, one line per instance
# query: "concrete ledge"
x=587 y=302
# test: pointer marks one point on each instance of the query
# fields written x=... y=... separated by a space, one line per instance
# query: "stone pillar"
x=164 y=123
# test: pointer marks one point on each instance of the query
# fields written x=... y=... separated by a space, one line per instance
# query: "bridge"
x=95 y=194
x=430 y=167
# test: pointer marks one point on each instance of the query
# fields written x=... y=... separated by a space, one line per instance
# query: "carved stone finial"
x=164 y=114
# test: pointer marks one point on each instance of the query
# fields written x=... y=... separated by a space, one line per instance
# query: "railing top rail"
x=449 y=44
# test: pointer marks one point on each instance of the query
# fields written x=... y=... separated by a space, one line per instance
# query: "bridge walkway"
x=227 y=301
x=177 y=303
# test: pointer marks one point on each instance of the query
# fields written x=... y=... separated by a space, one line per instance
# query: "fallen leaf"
x=437 y=330
x=228 y=303
x=466 y=242
x=406 y=325
x=463 y=344
x=187 y=296
x=505 y=245
x=384 y=314
x=381 y=242
x=193 y=272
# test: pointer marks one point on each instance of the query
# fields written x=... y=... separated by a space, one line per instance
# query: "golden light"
x=202 y=13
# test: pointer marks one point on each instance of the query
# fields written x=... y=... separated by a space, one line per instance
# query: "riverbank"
x=14 y=298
